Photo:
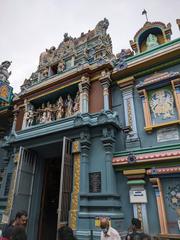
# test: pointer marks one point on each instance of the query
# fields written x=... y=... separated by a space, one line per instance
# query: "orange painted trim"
x=149 y=128
x=159 y=207
x=147 y=110
x=148 y=157
x=176 y=96
x=164 y=219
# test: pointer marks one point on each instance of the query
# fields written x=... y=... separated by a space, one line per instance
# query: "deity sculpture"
x=69 y=106
x=49 y=111
x=76 y=107
x=4 y=74
x=42 y=114
x=30 y=116
x=151 y=41
x=60 y=108
x=43 y=118
x=54 y=110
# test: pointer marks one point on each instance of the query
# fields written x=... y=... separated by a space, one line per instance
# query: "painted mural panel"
x=162 y=105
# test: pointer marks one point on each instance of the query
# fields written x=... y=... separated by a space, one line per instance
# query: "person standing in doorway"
x=66 y=233
x=108 y=233
x=137 y=233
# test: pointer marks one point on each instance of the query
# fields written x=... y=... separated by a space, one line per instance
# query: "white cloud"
x=28 y=27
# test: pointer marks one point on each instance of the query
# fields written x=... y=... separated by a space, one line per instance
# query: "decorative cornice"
x=126 y=82
x=158 y=77
x=148 y=157
x=159 y=171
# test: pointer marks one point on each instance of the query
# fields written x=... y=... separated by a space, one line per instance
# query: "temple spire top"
x=144 y=12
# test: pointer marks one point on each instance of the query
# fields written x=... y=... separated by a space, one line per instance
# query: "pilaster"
x=15 y=157
x=80 y=96
x=126 y=86
x=105 y=81
x=26 y=103
x=108 y=142
x=85 y=147
x=15 y=113
x=137 y=194
x=84 y=97
x=76 y=185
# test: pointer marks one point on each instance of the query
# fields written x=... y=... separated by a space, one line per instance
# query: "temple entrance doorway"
x=56 y=191
x=50 y=199
x=43 y=186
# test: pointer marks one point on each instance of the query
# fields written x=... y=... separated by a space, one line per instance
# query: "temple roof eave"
x=145 y=60
x=70 y=123
x=74 y=76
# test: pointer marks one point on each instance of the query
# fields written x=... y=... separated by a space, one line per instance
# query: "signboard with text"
x=138 y=196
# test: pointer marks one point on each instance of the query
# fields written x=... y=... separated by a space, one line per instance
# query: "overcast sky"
x=28 y=27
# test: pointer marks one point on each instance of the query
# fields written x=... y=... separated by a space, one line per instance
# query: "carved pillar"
x=108 y=141
x=137 y=194
x=25 y=114
x=84 y=85
x=85 y=146
x=15 y=113
x=7 y=211
x=76 y=185
x=105 y=81
x=80 y=96
x=160 y=204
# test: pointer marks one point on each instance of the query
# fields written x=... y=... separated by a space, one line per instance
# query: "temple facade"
x=96 y=134
x=6 y=117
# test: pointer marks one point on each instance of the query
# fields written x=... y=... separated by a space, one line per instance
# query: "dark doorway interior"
x=49 y=201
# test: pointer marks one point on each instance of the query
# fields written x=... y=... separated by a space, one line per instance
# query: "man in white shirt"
x=108 y=233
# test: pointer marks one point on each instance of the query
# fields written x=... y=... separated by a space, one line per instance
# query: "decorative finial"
x=144 y=12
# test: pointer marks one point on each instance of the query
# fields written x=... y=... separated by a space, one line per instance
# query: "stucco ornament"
x=66 y=47
x=102 y=26
x=4 y=74
x=161 y=103
x=47 y=56
x=61 y=66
